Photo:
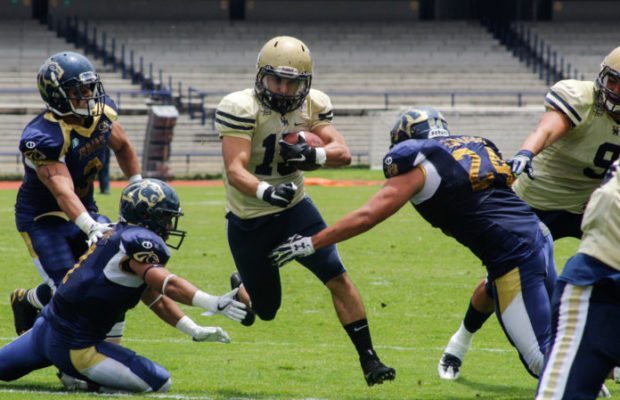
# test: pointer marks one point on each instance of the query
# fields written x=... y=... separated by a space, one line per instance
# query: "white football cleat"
x=449 y=367
x=73 y=384
x=616 y=374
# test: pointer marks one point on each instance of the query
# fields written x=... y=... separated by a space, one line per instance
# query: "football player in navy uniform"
x=461 y=185
x=565 y=159
x=586 y=304
x=126 y=265
x=63 y=150
x=266 y=201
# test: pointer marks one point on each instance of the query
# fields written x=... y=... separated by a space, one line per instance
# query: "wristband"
x=187 y=325
x=321 y=155
x=205 y=300
x=260 y=190
x=84 y=221
x=135 y=178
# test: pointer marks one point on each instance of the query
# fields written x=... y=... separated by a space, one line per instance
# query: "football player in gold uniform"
x=266 y=202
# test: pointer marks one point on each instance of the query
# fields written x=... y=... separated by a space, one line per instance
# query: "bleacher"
x=583 y=44
x=356 y=63
x=455 y=66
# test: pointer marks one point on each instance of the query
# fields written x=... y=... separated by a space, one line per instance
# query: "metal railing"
x=196 y=97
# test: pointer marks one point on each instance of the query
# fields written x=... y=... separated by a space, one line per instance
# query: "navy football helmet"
x=155 y=205
x=70 y=76
x=283 y=58
x=419 y=123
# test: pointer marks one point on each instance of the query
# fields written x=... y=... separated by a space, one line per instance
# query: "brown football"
x=313 y=140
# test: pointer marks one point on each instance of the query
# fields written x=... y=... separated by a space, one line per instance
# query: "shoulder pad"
x=236 y=114
x=144 y=246
x=41 y=147
x=110 y=109
x=320 y=108
x=572 y=98
x=404 y=157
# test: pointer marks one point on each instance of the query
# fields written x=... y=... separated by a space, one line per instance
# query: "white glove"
x=202 y=333
x=95 y=230
x=295 y=246
x=225 y=304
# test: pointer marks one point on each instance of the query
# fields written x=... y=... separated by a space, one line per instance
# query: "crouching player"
x=586 y=304
x=127 y=264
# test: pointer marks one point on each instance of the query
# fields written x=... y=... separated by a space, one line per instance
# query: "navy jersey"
x=101 y=287
x=467 y=195
x=47 y=139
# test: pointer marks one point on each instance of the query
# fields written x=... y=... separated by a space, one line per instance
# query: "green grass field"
x=415 y=283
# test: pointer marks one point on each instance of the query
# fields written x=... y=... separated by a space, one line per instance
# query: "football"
x=313 y=141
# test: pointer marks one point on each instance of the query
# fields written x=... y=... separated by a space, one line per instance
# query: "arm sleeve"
x=571 y=98
x=144 y=246
x=235 y=116
x=320 y=109
x=41 y=148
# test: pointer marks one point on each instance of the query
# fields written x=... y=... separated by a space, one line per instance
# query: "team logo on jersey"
x=146 y=257
x=104 y=126
x=75 y=142
x=30 y=144
x=389 y=168
x=35 y=155
x=147 y=245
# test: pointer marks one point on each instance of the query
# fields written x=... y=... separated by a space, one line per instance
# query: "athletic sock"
x=359 y=332
x=474 y=319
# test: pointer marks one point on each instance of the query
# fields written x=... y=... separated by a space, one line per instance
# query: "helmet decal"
x=155 y=205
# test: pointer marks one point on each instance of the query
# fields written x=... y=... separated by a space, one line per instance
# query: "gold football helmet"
x=608 y=83
x=284 y=74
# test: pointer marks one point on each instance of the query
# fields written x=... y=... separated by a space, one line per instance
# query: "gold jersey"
x=241 y=114
x=601 y=224
x=571 y=168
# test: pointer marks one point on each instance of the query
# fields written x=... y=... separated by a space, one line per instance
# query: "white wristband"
x=84 y=221
x=187 y=325
x=135 y=178
x=260 y=190
x=205 y=300
x=321 y=155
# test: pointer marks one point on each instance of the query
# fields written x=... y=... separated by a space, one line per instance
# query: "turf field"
x=415 y=283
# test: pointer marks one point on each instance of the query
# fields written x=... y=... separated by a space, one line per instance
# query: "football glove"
x=202 y=333
x=95 y=230
x=522 y=161
x=280 y=195
x=225 y=305
x=295 y=246
x=300 y=152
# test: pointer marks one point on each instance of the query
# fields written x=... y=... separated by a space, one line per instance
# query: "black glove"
x=522 y=161
x=300 y=152
x=279 y=195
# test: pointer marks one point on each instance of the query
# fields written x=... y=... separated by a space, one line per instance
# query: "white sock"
x=459 y=342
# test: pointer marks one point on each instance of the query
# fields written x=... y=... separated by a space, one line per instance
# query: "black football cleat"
x=235 y=282
x=24 y=313
x=375 y=372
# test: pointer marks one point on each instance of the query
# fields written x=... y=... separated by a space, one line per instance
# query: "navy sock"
x=474 y=319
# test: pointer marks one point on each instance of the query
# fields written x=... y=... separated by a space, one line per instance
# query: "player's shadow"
x=516 y=392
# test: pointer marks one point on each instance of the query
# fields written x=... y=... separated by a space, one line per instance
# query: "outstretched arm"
x=168 y=311
x=394 y=194
x=161 y=281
